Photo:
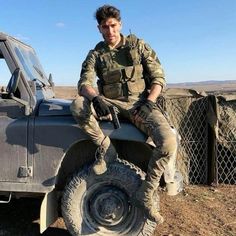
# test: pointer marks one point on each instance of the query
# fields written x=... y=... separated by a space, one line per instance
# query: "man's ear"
x=120 y=24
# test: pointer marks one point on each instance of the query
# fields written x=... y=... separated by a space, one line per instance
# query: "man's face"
x=110 y=30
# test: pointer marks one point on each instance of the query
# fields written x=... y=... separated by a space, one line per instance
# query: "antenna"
x=131 y=43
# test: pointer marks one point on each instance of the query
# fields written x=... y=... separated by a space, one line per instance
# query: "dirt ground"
x=198 y=210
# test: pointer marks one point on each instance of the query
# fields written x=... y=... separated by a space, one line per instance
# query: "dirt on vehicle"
x=45 y=173
x=198 y=210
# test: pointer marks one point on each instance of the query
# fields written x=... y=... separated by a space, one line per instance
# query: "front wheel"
x=100 y=205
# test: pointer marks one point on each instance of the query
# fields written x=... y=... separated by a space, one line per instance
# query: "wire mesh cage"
x=199 y=151
x=188 y=116
x=226 y=143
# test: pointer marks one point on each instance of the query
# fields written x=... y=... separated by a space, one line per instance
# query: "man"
x=131 y=78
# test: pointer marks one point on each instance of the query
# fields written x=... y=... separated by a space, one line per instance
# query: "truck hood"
x=61 y=107
x=55 y=107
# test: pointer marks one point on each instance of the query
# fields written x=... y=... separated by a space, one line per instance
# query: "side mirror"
x=11 y=89
x=51 y=81
x=13 y=82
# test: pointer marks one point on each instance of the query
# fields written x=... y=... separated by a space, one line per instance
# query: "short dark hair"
x=105 y=12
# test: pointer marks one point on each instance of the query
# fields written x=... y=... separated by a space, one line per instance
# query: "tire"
x=100 y=205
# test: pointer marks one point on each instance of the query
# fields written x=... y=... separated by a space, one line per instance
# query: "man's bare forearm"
x=154 y=92
x=88 y=92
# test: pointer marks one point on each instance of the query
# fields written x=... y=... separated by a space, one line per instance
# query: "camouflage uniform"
x=130 y=69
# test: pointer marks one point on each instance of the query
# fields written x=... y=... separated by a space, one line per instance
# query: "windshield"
x=30 y=63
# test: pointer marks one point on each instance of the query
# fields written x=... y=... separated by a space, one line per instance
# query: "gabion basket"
x=226 y=143
x=188 y=115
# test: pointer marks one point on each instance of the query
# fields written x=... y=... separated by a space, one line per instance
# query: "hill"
x=216 y=87
x=208 y=86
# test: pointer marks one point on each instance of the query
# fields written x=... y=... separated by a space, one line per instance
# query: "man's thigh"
x=157 y=127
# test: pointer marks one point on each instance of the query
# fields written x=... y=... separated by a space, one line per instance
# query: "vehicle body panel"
x=36 y=144
x=13 y=141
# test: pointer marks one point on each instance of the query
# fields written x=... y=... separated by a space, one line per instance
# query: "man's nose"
x=109 y=29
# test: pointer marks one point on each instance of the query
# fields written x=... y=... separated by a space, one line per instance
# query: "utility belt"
x=123 y=82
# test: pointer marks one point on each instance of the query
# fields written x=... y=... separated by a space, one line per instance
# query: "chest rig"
x=120 y=71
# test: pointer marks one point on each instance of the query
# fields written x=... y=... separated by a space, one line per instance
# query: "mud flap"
x=48 y=210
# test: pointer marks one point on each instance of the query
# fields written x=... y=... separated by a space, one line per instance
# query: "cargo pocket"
x=113 y=91
x=135 y=81
x=112 y=77
x=136 y=87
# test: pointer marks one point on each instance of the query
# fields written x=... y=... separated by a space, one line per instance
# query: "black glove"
x=145 y=109
x=100 y=106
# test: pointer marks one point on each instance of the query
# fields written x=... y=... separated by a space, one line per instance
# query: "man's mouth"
x=110 y=36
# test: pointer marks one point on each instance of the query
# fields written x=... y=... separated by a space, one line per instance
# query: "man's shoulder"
x=96 y=50
x=133 y=37
x=100 y=46
x=134 y=40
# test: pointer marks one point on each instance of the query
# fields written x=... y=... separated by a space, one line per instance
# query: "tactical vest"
x=120 y=71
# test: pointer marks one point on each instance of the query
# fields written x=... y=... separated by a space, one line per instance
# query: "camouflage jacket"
x=103 y=62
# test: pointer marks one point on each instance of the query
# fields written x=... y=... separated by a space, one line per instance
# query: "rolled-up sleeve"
x=88 y=71
x=152 y=65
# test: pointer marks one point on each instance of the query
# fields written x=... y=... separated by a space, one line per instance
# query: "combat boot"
x=146 y=196
x=105 y=154
x=148 y=200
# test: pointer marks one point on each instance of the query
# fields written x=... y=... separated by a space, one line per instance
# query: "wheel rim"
x=109 y=206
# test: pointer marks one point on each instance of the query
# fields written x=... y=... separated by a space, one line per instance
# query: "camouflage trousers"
x=155 y=126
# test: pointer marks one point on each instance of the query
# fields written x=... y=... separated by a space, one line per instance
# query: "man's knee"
x=170 y=142
x=80 y=109
x=76 y=106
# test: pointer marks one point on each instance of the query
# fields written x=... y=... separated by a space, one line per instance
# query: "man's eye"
x=105 y=26
x=108 y=26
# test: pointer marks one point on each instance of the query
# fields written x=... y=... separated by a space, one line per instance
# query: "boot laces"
x=100 y=153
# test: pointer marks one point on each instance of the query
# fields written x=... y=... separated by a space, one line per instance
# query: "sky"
x=195 y=40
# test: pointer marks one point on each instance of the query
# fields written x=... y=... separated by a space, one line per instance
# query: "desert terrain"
x=210 y=87
x=198 y=210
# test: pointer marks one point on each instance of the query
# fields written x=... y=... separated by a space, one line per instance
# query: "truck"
x=44 y=154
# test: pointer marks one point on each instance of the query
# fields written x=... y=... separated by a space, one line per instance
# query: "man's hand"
x=101 y=108
x=144 y=110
